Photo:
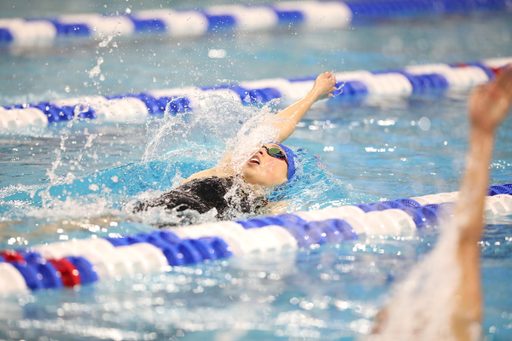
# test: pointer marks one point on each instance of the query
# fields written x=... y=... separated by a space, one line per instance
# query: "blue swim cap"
x=290 y=156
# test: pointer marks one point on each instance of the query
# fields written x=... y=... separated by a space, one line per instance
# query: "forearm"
x=488 y=107
x=468 y=217
x=287 y=120
x=470 y=206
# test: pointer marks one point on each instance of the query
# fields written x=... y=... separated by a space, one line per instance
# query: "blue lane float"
x=411 y=80
x=253 y=18
x=78 y=262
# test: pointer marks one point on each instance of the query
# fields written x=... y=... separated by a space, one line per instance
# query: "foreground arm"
x=488 y=106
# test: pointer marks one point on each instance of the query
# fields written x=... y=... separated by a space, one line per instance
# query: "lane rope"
x=78 y=262
x=307 y=15
x=411 y=80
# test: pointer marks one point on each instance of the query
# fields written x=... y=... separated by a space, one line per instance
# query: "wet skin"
x=263 y=169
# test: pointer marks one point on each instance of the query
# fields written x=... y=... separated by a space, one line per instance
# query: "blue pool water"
x=368 y=150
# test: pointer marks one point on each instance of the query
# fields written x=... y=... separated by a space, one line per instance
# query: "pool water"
x=364 y=150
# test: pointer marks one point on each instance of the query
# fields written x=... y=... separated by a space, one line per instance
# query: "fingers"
x=327 y=75
x=325 y=84
x=490 y=103
x=330 y=76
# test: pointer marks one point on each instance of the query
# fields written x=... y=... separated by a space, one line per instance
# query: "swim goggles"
x=276 y=153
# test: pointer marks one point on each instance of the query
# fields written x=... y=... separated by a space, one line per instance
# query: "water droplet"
x=424 y=124
x=217 y=53
x=94 y=187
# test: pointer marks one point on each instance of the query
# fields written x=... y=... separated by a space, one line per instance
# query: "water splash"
x=96 y=70
x=208 y=132
x=54 y=178
x=178 y=146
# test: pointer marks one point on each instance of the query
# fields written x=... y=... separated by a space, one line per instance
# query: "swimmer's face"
x=263 y=169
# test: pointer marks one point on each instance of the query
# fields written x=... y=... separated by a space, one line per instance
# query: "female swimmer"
x=230 y=189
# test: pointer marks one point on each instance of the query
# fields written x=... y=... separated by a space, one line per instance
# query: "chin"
x=253 y=177
x=248 y=176
x=254 y=180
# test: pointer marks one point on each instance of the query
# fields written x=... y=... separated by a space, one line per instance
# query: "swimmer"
x=488 y=106
x=227 y=186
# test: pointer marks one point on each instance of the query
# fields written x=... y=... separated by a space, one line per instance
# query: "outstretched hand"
x=490 y=103
x=324 y=85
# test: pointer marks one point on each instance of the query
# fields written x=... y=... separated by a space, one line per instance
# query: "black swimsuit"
x=202 y=195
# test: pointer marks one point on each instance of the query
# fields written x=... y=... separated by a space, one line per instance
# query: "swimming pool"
x=371 y=150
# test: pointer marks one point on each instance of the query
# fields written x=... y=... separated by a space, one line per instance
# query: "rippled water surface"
x=358 y=151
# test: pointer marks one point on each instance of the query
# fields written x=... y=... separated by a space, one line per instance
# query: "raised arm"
x=287 y=120
x=488 y=106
